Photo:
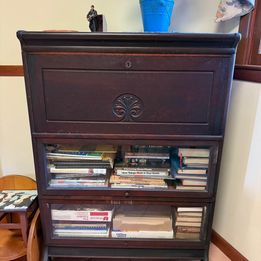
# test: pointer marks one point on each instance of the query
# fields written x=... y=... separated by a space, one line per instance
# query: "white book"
x=53 y=169
x=91 y=225
x=90 y=156
x=190 y=209
x=188 y=224
x=81 y=215
x=188 y=219
x=67 y=181
x=142 y=234
x=190 y=187
x=193 y=152
x=142 y=172
x=79 y=185
x=81 y=231
x=188 y=171
x=190 y=176
x=188 y=182
x=189 y=214
x=66 y=234
x=190 y=160
x=137 y=186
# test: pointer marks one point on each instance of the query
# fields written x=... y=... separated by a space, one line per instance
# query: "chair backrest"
x=17 y=182
x=34 y=244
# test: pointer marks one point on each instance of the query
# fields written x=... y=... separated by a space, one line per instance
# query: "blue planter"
x=156 y=15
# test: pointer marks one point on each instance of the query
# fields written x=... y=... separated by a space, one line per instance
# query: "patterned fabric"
x=228 y=9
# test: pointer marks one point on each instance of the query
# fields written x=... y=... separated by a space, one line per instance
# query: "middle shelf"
x=169 y=168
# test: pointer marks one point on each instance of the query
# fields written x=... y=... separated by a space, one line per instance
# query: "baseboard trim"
x=250 y=73
x=226 y=248
x=11 y=70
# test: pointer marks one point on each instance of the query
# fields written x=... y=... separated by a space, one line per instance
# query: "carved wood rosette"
x=127 y=107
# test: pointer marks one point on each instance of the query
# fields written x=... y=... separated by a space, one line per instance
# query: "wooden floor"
x=215 y=254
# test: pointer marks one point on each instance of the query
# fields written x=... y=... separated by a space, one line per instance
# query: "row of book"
x=77 y=166
x=142 y=167
x=81 y=221
x=190 y=168
x=127 y=221
x=139 y=167
x=188 y=222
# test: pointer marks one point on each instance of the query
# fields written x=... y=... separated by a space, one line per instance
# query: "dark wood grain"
x=77 y=86
x=250 y=29
x=248 y=73
x=255 y=58
x=246 y=28
x=150 y=254
x=136 y=69
x=162 y=43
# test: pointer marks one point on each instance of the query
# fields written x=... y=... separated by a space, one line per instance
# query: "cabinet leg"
x=206 y=255
x=45 y=255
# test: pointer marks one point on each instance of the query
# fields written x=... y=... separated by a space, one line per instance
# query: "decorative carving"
x=127 y=107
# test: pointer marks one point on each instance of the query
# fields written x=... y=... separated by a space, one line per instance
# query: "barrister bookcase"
x=127 y=93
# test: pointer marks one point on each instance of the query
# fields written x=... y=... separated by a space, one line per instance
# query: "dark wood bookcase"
x=127 y=89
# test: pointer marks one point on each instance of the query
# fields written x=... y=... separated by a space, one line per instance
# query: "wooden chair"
x=12 y=244
x=17 y=182
x=34 y=245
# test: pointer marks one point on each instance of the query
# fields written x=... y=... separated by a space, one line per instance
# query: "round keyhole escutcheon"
x=128 y=64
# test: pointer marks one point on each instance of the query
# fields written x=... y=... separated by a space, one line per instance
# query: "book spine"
x=81 y=215
x=140 y=172
x=78 y=170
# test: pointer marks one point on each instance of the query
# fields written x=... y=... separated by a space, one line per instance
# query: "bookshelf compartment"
x=168 y=222
x=128 y=168
x=84 y=221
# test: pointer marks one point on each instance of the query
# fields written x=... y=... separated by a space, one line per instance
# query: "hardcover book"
x=81 y=213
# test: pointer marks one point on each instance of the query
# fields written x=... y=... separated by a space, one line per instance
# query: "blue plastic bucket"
x=156 y=14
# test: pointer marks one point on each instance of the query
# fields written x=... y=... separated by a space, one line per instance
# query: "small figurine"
x=92 y=18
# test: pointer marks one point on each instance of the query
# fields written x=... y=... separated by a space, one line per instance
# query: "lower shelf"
x=98 y=225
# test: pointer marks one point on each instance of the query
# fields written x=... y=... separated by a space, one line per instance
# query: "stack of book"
x=190 y=166
x=188 y=223
x=142 y=222
x=80 y=221
x=80 y=166
x=144 y=168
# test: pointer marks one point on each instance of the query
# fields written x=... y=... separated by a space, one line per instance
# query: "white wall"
x=15 y=141
x=198 y=16
x=30 y=15
x=121 y=16
x=238 y=208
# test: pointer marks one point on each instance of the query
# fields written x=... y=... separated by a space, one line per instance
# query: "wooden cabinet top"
x=176 y=42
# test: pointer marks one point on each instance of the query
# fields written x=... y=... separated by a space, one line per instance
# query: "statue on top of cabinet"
x=92 y=18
